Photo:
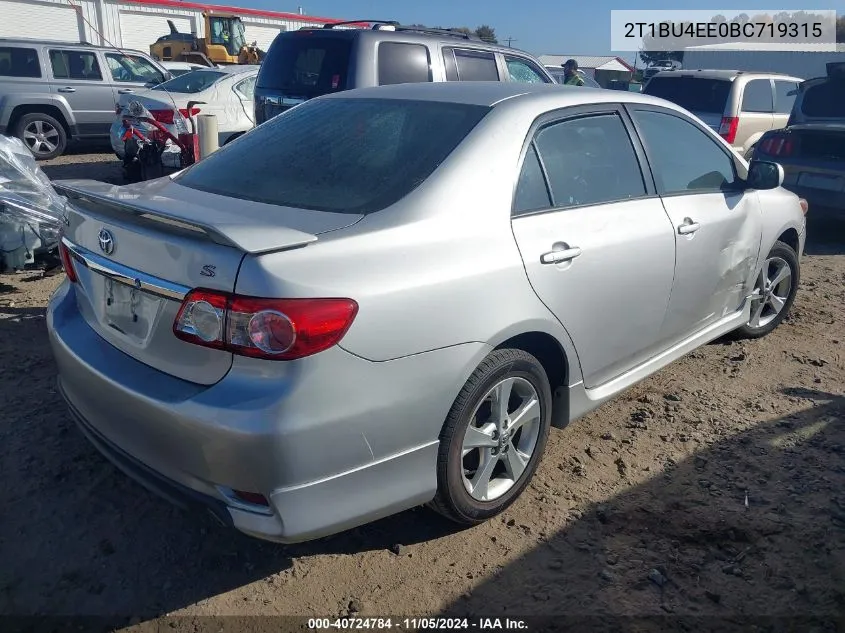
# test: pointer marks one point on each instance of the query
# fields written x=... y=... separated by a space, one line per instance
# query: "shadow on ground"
x=110 y=171
x=687 y=543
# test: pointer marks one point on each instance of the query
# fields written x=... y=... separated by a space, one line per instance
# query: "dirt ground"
x=716 y=487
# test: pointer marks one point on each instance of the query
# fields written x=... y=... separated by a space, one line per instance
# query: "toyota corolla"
x=386 y=297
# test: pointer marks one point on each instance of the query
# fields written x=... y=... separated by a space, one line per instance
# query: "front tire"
x=493 y=438
x=42 y=134
x=775 y=289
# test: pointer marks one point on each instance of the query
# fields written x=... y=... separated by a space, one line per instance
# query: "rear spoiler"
x=253 y=240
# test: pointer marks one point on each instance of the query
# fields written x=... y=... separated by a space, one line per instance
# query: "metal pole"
x=207 y=134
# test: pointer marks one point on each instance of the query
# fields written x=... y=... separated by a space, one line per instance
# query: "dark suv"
x=311 y=62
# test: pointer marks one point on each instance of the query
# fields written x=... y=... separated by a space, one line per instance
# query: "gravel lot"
x=716 y=487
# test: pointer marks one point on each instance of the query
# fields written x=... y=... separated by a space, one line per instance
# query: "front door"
x=597 y=246
x=717 y=224
x=78 y=79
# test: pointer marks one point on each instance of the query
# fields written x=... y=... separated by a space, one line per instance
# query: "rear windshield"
x=306 y=65
x=191 y=82
x=696 y=95
x=825 y=100
x=340 y=155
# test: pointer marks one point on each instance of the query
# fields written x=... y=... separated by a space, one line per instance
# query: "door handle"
x=557 y=257
x=67 y=89
x=125 y=91
x=688 y=227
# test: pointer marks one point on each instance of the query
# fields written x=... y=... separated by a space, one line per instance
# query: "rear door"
x=717 y=225
x=756 y=114
x=77 y=77
x=597 y=245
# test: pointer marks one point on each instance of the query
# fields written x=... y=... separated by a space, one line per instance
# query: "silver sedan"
x=386 y=297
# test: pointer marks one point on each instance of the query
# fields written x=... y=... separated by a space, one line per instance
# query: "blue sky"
x=538 y=26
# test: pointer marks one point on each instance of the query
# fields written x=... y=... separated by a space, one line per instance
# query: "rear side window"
x=472 y=65
x=825 y=100
x=590 y=160
x=708 y=96
x=757 y=96
x=75 y=65
x=192 y=82
x=531 y=191
x=785 y=93
x=401 y=63
x=19 y=62
x=338 y=155
x=304 y=65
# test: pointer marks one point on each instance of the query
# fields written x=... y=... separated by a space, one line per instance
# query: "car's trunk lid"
x=140 y=248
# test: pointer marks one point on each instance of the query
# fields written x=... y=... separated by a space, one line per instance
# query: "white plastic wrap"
x=30 y=209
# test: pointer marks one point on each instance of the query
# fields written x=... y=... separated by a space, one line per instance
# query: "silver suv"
x=53 y=92
x=315 y=61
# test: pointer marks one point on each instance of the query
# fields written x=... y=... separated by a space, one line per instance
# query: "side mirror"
x=764 y=175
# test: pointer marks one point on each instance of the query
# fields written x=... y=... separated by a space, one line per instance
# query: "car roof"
x=491 y=93
x=28 y=41
x=724 y=74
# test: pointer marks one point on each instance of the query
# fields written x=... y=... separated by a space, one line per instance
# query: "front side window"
x=757 y=96
x=132 y=68
x=400 y=63
x=75 y=65
x=684 y=158
x=590 y=160
x=523 y=71
x=338 y=155
x=19 y=62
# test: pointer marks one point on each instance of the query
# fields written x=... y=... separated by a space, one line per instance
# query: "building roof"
x=596 y=62
x=769 y=47
x=279 y=15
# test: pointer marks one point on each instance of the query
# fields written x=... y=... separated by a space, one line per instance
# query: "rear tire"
x=493 y=438
x=777 y=284
x=42 y=134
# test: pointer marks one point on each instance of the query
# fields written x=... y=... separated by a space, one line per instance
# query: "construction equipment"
x=224 y=43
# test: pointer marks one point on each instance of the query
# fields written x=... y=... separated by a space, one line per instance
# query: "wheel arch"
x=39 y=108
x=790 y=238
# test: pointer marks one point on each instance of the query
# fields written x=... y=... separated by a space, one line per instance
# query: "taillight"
x=163 y=116
x=184 y=112
x=777 y=145
x=273 y=329
x=67 y=262
x=727 y=128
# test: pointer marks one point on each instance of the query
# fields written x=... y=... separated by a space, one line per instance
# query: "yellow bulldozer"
x=224 y=43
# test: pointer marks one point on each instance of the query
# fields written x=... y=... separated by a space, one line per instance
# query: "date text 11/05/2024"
x=417 y=624
x=723 y=30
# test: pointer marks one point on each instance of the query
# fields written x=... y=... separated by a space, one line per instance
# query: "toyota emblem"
x=106 y=241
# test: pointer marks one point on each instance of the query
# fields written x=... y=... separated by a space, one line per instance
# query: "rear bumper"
x=333 y=441
x=816 y=197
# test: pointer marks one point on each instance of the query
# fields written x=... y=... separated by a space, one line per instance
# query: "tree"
x=486 y=34
x=649 y=57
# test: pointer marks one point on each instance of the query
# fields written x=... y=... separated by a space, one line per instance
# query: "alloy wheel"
x=771 y=292
x=41 y=137
x=500 y=439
